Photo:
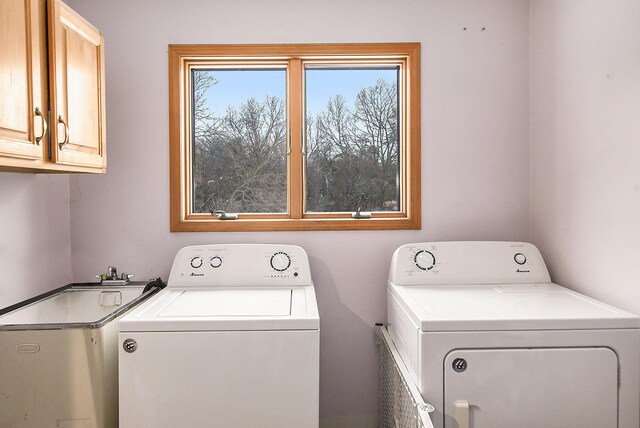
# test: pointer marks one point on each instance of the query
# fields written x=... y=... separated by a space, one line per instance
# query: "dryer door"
x=531 y=388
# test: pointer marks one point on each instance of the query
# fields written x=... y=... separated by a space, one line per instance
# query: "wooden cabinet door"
x=23 y=82
x=76 y=69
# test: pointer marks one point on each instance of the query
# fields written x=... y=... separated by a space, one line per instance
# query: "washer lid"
x=507 y=307
x=233 y=302
x=233 y=308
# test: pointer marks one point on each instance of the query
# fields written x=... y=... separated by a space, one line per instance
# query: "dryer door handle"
x=461 y=414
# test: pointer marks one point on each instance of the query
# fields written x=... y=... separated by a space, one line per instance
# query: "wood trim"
x=295 y=184
x=175 y=141
x=182 y=57
x=53 y=17
x=375 y=215
x=239 y=225
x=44 y=167
x=41 y=71
x=102 y=101
x=413 y=138
x=245 y=217
x=319 y=50
x=186 y=131
x=32 y=73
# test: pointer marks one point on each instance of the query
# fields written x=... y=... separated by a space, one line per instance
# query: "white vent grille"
x=400 y=403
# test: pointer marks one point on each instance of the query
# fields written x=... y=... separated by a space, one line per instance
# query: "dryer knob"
x=424 y=260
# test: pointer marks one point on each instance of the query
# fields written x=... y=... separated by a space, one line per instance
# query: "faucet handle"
x=112 y=272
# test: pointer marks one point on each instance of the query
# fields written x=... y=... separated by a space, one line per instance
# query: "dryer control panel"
x=240 y=265
x=470 y=262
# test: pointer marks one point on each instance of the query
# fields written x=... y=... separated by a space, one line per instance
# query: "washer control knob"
x=215 y=262
x=280 y=261
x=424 y=260
x=520 y=258
x=196 y=262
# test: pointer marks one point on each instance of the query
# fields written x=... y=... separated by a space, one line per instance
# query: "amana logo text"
x=28 y=347
x=522 y=271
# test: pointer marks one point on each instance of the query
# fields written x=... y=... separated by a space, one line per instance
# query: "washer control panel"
x=474 y=262
x=197 y=262
x=240 y=264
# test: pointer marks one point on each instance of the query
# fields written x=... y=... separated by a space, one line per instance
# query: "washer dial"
x=196 y=262
x=424 y=260
x=280 y=261
x=215 y=261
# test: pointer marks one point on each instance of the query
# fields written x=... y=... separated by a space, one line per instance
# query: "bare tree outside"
x=352 y=158
x=239 y=162
x=353 y=153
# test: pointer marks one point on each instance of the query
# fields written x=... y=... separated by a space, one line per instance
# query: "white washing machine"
x=232 y=341
x=492 y=343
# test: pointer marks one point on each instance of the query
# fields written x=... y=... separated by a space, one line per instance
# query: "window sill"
x=273 y=225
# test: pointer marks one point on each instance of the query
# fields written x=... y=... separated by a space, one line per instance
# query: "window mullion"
x=294 y=99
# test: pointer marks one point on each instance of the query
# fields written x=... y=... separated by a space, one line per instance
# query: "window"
x=294 y=137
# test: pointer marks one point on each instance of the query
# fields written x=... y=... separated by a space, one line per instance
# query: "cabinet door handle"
x=66 y=132
x=38 y=112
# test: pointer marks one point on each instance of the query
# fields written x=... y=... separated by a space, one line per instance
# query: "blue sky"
x=236 y=86
x=323 y=84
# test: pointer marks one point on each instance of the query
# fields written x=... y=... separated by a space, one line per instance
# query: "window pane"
x=239 y=140
x=352 y=140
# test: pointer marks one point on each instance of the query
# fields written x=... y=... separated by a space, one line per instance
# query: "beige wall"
x=585 y=145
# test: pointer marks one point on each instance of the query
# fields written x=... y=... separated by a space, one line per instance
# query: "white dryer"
x=232 y=341
x=492 y=343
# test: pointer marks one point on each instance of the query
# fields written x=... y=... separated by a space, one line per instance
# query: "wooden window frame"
x=183 y=58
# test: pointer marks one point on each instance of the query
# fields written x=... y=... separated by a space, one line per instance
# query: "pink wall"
x=583 y=195
x=585 y=145
x=581 y=205
x=475 y=133
x=35 y=240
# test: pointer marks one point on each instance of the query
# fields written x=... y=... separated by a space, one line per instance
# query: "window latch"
x=222 y=215
x=359 y=213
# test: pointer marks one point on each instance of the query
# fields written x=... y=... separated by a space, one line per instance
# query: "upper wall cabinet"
x=51 y=114
x=76 y=67
x=23 y=82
